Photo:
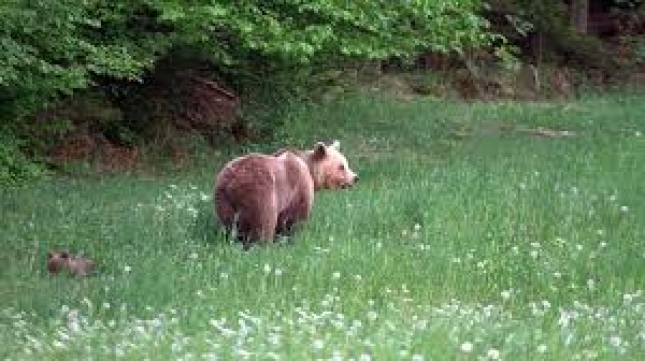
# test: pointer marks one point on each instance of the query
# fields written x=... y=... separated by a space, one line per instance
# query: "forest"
x=101 y=81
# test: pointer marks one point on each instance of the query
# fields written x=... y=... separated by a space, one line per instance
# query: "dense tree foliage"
x=49 y=48
x=568 y=31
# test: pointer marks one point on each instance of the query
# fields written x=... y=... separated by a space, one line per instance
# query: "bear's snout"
x=351 y=182
x=353 y=179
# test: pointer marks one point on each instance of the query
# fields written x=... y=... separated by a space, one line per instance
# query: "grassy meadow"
x=469 y=237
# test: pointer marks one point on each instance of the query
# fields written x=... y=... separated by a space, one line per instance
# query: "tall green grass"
x=467 y=238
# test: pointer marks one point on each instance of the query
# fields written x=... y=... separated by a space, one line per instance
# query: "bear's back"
x=247 y=176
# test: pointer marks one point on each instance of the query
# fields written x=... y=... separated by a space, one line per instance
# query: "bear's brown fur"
x=261 y=196
x=74 y=265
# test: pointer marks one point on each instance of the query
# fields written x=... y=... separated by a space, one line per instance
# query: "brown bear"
x=74 y=265
x=261 y=196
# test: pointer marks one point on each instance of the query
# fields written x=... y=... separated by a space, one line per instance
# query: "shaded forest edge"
x=121 y=85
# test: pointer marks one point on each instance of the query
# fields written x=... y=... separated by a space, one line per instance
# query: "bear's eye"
x=341 y=167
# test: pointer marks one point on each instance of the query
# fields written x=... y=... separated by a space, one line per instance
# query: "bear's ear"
x=320 y=151
x=64 y=254
x=50 y=255
x=335 y=144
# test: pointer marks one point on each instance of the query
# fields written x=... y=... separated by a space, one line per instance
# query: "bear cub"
x=261 y=196
x=74 y=265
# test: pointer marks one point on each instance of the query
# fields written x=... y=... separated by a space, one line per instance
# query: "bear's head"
x=57 y=261
x=329 y=168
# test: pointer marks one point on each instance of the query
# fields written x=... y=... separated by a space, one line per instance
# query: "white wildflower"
x=318 y=344
x=628 y=298
x=467 y=347
x=565 y=319
x=242 y=353
x=336 y=356
x=615 y=341
x=506 y=294
x=493 y=354
x=119 y=351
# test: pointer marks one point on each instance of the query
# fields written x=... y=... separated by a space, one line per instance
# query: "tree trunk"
x=579 y=15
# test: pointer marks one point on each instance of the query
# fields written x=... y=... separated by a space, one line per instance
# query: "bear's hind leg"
x=226 y=215
x=258 y=225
